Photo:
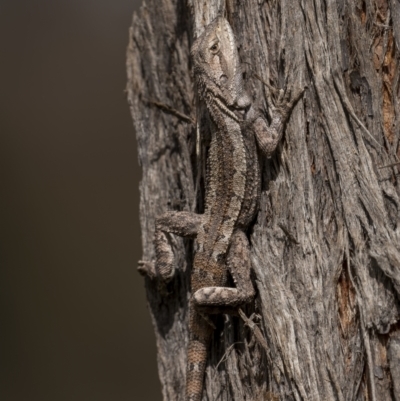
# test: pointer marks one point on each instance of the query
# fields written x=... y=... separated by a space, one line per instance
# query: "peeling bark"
x=325 y=246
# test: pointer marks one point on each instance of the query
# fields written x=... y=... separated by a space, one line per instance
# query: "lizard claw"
x=255 y=317
x=296 y=96
x=282 y=95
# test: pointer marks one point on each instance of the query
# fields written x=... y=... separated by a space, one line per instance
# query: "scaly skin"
x=232 y=194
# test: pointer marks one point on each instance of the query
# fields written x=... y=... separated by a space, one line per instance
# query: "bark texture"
x=325 y=246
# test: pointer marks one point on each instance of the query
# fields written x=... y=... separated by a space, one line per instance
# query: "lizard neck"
x=227 y=181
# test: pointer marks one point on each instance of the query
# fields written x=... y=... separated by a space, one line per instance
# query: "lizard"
x=233 y=187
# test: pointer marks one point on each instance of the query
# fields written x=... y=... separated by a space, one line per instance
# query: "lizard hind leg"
x=183 y=224
x=226 y=299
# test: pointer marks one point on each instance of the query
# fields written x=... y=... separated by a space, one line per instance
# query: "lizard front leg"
x=280 y=107
x=184 y=224
x=225 y=299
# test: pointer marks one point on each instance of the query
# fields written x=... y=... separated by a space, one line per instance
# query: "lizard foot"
x=282 y=101
x=146 y=269
x=220 y=297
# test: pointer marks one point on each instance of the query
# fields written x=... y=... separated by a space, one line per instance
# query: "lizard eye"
x=214 y=48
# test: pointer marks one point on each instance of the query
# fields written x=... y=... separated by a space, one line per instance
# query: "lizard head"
x=216 y=65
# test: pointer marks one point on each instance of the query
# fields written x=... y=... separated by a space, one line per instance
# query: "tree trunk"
x=325 y=245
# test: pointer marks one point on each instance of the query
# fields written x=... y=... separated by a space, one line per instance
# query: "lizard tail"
x=199 y=341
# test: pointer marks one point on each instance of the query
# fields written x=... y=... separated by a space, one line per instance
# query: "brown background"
x=74 y=324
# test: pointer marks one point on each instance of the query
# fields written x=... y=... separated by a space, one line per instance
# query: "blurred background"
x=73 y=318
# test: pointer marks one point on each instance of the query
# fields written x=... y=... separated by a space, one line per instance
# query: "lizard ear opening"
x=223 y=79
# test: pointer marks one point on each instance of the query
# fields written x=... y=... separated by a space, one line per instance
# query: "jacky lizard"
x=232 y=194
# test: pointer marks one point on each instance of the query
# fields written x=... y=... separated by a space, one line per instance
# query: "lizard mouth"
x=241 y=106
x=233 y=111
x=241 y=111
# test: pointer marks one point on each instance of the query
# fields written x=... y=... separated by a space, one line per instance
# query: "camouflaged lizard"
x=233 y=188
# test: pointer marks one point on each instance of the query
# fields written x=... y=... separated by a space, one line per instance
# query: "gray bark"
x=325 y=246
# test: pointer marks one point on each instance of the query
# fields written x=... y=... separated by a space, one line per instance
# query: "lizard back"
x=219 y=81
